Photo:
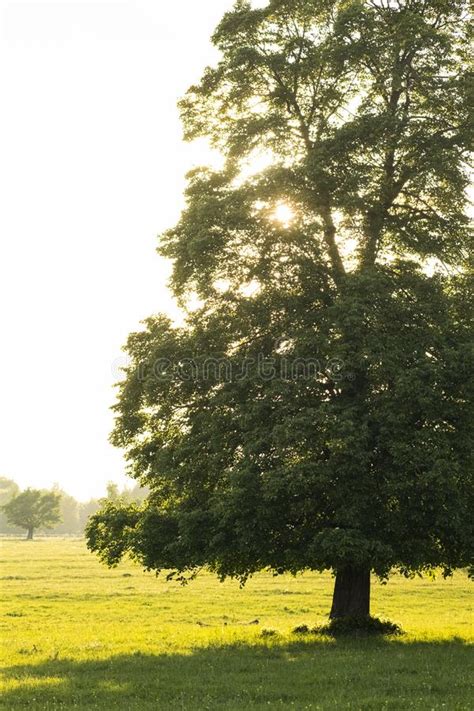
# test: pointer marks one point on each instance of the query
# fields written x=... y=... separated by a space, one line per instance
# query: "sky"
x=92 y=169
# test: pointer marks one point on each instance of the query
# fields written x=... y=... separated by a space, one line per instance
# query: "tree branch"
x=329 y=232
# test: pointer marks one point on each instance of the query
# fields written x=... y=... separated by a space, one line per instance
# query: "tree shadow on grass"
x=309 y=674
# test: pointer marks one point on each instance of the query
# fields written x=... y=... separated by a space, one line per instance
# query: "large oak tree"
x=315 y=410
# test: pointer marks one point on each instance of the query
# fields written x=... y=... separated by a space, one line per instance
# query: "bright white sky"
x=91 y=170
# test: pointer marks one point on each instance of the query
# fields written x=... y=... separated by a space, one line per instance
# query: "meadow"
x=77 y=635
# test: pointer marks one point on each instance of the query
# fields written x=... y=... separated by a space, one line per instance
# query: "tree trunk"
x=351 y=593
x=29 y=535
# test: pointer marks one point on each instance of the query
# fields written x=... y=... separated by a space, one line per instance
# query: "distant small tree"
x=69 y=511
x=134 y=494
x=86 y=510
x=33 y=508
x=8 y=489
x=113 y=492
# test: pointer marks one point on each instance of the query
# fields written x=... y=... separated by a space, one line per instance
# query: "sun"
x=283 y=214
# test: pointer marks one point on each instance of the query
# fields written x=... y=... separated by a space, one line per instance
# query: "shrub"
x=358 y=626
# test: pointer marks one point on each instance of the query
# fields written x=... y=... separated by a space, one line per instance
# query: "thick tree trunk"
x=351 y=593
x=29 y=535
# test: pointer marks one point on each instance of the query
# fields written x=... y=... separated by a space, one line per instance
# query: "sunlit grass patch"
x=31 y=683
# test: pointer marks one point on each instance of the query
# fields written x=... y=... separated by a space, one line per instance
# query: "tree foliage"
x=315 y=411
x=8 y=489
x=74 y=514
x=34 y=509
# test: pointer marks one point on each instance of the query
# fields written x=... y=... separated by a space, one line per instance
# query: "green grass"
x=76 y=635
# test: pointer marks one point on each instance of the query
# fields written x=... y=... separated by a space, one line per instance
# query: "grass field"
x=77 y=635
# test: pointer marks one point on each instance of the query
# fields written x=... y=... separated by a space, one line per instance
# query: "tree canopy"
x=315 y=410
x=34 y=509
x=8 y=489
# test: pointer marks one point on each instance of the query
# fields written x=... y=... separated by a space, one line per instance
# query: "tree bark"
x=351 y=593
x=29 y=535
x=329 y=232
